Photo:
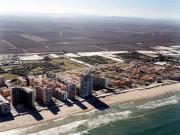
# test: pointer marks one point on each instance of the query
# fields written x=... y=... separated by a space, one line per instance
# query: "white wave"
x=103 y=119
x=106 y=118
x=87 y=113
x=126 y=105
x=90 y=123
x=80 y=133
x=159 y=103
x=76 y=133
x=14 y=132
x=68 y=128
x=87 y=123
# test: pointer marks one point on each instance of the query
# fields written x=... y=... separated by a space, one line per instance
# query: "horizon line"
x=58 y=15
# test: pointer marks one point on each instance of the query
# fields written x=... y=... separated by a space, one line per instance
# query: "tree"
x=47 y=58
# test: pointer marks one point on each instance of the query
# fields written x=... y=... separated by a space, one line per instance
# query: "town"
x=36 y=82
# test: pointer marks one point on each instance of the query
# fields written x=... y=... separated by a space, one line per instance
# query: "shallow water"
x=158 y=116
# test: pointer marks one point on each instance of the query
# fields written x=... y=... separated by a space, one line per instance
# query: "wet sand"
x=100 y=104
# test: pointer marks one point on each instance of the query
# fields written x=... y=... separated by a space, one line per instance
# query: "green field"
x=9 y=76
x=94 y=60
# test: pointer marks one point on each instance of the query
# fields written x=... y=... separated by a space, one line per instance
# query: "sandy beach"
x=56 y=113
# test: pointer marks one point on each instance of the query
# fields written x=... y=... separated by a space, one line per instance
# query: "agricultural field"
x=38 y=67
x=94 y=60
x=66 y=34
x=10 y=76
x=34 y=38
x=134 y=56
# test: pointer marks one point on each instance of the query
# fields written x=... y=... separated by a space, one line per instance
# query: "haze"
x=154 y=9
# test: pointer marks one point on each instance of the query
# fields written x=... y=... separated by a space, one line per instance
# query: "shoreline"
x=65 y=111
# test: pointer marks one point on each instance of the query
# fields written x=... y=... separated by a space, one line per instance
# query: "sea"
x=155 y=116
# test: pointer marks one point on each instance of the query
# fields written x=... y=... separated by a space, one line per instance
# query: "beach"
x=65 y=111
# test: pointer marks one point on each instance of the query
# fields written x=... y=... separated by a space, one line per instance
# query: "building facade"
x=5 y=107
x=23 y=95
x=71 y=91
x=86 y=85
x=43 y=95
x=2 y=81
x=99 y=83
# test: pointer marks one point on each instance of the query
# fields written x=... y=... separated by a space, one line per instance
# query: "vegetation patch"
x=134 y=56
x=94 y=60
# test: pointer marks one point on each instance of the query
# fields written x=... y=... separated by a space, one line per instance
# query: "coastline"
x=65 y=111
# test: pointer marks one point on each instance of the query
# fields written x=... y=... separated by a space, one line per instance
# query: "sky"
x=155 y=9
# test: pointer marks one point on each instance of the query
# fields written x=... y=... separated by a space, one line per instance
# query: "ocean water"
x=156 y=116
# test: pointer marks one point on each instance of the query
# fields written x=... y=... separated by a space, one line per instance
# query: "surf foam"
x=159 y=103
x=87 y=123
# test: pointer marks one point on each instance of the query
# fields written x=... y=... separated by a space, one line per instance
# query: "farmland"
x=53 y=34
